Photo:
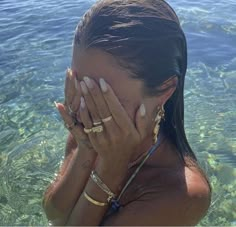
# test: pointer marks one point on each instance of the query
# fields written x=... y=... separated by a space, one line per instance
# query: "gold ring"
x=88 y=130
x=69 y=127
x=107 y=119
x=97 y=123
x=71 y=112
x=97 y=129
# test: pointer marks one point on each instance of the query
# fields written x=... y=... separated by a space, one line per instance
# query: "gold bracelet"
x=93 y=201
x=101 y=185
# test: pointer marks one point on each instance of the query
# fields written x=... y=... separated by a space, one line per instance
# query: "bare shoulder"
x=188 y=196
x=197 y=194
x=170 y=198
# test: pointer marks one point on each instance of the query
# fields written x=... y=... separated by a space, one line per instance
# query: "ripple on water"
x=213 y=106
x=28 y=170
x=35 y=49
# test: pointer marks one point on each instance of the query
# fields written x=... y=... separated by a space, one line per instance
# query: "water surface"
x=35 y=49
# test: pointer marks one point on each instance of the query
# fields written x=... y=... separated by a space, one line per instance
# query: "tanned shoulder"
x=184 y=204
x=198 y=194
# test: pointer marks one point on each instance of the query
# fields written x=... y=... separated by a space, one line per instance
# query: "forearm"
x=84 y=212
x=71 y=146
x=65 y=191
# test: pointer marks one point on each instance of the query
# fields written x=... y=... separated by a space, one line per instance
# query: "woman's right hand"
x=69 y=110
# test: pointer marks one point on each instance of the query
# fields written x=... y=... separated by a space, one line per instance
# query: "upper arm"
x=167 y=209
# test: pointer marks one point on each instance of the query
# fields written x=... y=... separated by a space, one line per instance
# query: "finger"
x=65 y=116
x=141 y=121
x=84 y=114
x=75 y=130
x=76 y=99
x=95 y=138
x=90 y=105
x=69 y=87
x=97 y=96
x=117 y=110
x=100 y=103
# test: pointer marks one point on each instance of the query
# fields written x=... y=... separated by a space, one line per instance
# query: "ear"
x=168 y=87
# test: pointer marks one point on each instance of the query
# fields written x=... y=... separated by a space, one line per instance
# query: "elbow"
x=54 y=216
x=48 y=208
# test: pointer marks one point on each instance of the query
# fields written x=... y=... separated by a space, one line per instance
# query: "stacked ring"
x=71 y=112
x=98 y=128
x=97 y=123
x=88 y=130
x=107 y=119
x=69 y=126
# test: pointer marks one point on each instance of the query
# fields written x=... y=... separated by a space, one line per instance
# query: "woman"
x=127 y=159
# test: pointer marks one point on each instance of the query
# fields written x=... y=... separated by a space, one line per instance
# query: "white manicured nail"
x=69 y=72
x=56 y=104
x=142 y=110
x=82 y=102
x=103 y=85
x=83 y=88
x=88 y=82
x=76 y=84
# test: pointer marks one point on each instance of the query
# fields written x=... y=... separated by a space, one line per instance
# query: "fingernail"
x=82 y=102
x=56 y=104
x=83 y=87
x=88 y=82
x=142 y=110
x=76 y=84
x=69 y=72
x=103 y=85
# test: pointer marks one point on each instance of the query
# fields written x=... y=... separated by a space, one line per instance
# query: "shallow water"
x=35 y=49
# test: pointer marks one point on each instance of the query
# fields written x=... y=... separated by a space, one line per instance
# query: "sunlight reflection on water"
x=35 y=49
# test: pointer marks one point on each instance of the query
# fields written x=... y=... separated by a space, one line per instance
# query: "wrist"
x=86 y=159
x=86 y=150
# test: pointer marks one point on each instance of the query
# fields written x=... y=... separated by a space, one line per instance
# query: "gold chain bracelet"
x=101 y=185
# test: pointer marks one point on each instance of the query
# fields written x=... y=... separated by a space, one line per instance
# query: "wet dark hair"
x=146 y=38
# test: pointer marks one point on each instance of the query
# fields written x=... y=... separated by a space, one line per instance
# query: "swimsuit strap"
x=150 y=152
x=115 y=205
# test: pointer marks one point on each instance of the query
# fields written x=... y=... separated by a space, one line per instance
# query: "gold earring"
x=160 y=115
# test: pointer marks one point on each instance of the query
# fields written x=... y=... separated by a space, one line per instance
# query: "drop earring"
x=160 y=115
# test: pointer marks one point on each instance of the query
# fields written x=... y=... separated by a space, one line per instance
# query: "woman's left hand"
x=116 y=136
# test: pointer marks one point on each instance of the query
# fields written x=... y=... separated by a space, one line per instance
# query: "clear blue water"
x=35 y=49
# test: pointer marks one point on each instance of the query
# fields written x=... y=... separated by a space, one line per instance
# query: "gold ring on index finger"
x=69 y=126
x=104 y=120
x=96 y=123
x=98 y=128
x=71 y=112
x=88 y=130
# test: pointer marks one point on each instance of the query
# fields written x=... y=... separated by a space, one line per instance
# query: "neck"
x=144 y=147
x=166 y=155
